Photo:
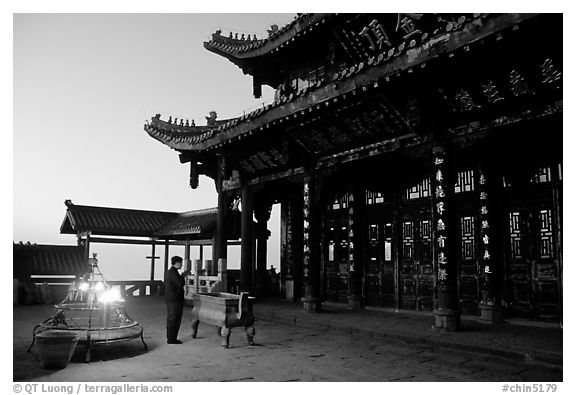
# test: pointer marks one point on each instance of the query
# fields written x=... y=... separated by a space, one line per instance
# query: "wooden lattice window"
x=408 y=239
x=340 y=202
x=374 y=197
x=464 y=181
x=467 y=237
x=419 y=190
x=373 y=233
x=388 y=242
x=546 y=241
x=542 y=175
x=426 y=238
x=516 y=236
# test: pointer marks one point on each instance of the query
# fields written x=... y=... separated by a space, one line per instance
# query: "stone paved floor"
x=282 y=353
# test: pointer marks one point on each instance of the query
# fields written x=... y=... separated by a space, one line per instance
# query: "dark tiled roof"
x=141 y=223
x=192 y=222
x=113 y=221
x=48 y=260
x=245 y=47
x=388 y=59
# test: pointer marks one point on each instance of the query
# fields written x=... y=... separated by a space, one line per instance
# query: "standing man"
x=174 y=295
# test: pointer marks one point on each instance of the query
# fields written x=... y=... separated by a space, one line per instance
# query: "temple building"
x=417 y=159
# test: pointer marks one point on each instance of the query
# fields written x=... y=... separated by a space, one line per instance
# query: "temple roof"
x=113 y=221
x=192 y=222
x=45 y=260
x=444 y=37
x=110 y=221
x=236 y=49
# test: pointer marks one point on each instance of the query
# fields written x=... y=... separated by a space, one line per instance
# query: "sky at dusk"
x=84 y=85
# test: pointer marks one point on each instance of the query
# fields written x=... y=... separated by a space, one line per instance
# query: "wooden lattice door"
x=416 y=265
x=336 y=256
x=532 y=267
x=380 y=275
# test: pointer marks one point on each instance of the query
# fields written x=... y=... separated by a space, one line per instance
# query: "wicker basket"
x=56 y=348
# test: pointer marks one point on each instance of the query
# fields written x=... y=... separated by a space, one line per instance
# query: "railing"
x=143 y=287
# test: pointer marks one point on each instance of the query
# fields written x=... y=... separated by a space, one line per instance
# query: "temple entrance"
x=469 y=270
x=532 y=269
x=380 y=280
x=416 y=264
x=336 y=263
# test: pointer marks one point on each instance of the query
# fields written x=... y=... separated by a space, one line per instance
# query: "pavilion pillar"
x=87 y=247
x=356 y=238
x=187 y=261
x=153 y=260
x=220 y=250
x=220 y=244
x=166 y=254
x=311 y=241
x=247 y=240
x=291 y=221
x=491 y=263
x=262 y=214
x=446 y=312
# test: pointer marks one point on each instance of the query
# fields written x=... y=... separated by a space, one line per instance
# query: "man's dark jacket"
x=173 y=286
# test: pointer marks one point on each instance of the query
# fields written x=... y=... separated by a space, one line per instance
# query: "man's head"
x=177 y=261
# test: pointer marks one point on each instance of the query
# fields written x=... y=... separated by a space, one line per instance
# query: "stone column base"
x=489 y=314
x=311 y=305
x=447 y=320
x=355 y=302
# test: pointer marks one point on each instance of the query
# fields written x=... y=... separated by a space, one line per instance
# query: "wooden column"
x=311 y=250
x=220 y=247
x=247 y=242
x=356 y=237
x=489 y=188
x=166 y=254
x=447 y=312
x=262 y=214
x=187 y=262
x=86 y=245
x=153 y=260
x=220 y=239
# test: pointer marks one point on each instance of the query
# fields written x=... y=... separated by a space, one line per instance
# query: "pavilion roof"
x=42 y=259
x=446 y=37
x=191 y=222
x=111 y=221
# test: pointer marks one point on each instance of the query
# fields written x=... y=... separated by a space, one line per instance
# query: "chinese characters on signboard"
x=440 y=207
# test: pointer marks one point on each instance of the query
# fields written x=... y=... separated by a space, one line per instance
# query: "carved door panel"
x=416 y=264
x=408 y=263
x=380 y=278
x=468 y=268
x=373 y=264
x=336 y=257
x=532 y=276
x=425 y=266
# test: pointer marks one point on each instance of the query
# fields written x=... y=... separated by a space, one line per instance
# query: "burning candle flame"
x=110 y=295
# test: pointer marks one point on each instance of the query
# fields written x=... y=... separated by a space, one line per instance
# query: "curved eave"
x=242 y=51
x=180 y=137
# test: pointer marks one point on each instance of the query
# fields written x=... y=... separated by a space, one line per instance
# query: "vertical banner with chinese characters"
x=440 y=216
x=306 y=257
x=485 y=248
x=351 y=233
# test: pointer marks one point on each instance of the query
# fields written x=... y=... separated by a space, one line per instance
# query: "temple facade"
x=417 y=159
